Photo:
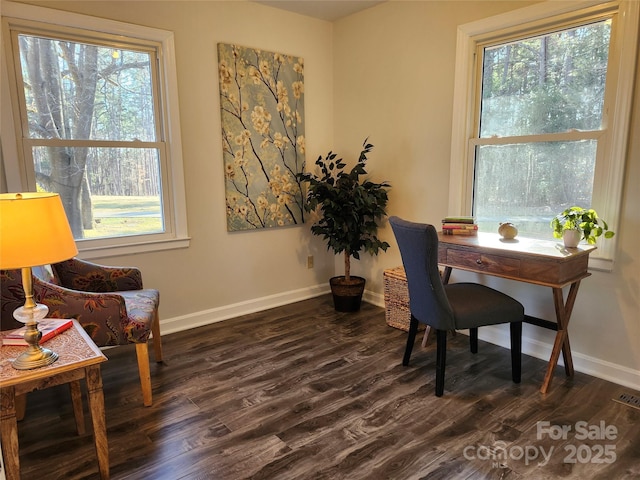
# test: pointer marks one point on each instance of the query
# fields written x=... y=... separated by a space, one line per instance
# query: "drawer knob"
x=479 y=261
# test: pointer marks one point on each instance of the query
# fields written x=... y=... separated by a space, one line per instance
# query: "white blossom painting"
x=263 y=142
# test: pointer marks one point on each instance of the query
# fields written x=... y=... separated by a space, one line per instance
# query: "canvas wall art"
x=263 y=142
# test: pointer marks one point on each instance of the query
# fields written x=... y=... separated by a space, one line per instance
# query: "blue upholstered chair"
x=453 y=306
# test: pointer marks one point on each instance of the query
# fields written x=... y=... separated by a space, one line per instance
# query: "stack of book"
x=459 y=226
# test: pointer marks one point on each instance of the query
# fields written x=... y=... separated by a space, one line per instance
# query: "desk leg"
x=9 y=433
x=96 y=406
x=561 y=343
x=446 y=275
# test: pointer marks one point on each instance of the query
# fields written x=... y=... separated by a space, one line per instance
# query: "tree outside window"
x=92 y=133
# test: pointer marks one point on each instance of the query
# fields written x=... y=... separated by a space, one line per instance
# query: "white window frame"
x=608 y=177
x=19 y=175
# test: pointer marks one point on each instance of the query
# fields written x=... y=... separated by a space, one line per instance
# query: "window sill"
x=89 y=253
x=601 y=264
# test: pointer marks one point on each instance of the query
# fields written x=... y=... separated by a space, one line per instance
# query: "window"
x=541 y=115
x=91 y=115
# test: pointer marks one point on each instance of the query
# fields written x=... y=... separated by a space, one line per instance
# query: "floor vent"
x=628 y=399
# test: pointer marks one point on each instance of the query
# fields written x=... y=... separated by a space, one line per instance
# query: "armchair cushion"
x=140 y=305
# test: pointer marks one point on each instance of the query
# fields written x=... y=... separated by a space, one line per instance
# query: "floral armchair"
x=109 y=302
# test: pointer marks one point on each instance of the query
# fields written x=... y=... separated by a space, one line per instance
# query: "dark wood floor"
x=302 y=392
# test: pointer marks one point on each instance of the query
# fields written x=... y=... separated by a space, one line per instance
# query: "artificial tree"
x=349 y=207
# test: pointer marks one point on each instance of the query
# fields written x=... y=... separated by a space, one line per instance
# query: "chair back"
x=418 y=243
x=11 y=297
x=86 y=276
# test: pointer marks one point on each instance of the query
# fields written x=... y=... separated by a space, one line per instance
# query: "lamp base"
x=34 y=358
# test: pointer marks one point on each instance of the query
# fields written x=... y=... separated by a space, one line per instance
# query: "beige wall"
x=394 y=70
x=220 y=268
x=386 y=73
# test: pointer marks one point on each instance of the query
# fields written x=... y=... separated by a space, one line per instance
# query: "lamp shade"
x=34 y=230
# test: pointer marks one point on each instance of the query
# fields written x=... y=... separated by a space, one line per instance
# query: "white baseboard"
x=376 y=299
x=595 y=367
x=582 y=363
x=207 y=317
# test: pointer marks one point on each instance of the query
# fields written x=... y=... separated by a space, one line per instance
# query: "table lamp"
x=34 y=231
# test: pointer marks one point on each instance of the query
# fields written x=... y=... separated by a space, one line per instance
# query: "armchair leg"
x=142 y=351
x=441 y=359
x=413 y=329
x=157 y=341
x=516 y=351
x=473 y=340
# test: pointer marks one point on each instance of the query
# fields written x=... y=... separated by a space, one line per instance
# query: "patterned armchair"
x=109 y=302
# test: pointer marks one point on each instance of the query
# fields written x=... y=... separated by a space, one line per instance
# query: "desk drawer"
x=482 y=262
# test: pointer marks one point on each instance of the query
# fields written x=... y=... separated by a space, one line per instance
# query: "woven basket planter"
x=396 y=298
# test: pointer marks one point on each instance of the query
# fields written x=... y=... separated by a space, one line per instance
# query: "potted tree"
x=349 y=207
x=577 y=223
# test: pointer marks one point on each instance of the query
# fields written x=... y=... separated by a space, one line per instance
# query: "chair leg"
x=441 y=358
x=157 y=341
x=473 y=340
x=516 y=351
x=142 y=351
x=413 y=329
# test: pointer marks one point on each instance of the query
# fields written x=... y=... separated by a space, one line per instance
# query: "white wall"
x=394 y=71
x=386 y=73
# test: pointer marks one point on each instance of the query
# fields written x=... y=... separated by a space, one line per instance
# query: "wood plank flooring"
x=303 y=392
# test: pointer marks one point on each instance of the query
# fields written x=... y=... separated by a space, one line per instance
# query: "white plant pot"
x=571 y=238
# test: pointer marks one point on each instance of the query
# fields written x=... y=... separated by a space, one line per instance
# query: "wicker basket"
x=396 y=298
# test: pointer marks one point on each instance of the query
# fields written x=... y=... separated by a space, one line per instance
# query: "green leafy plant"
x=349 y=207
x=587 y=221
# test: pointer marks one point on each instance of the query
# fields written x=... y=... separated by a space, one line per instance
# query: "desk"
x=78 y=358
x=540 y=262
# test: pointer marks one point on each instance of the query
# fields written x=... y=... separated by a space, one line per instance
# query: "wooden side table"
x=78 y=358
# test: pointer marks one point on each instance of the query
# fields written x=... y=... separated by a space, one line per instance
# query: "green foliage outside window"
x=541 y=98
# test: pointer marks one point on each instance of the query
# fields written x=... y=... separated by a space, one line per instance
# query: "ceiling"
x=330 y=10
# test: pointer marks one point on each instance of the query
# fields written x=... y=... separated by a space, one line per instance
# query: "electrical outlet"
x=310 y=261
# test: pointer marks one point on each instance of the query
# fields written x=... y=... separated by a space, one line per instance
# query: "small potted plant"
x=349 y=208
x=577 y=223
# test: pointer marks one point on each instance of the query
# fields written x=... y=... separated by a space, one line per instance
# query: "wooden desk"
x=78 y=358
x=540 y=262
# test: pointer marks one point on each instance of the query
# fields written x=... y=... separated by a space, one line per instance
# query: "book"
x=459 y=231
x=459 y=219
x=49 y=328
x=460 y=226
